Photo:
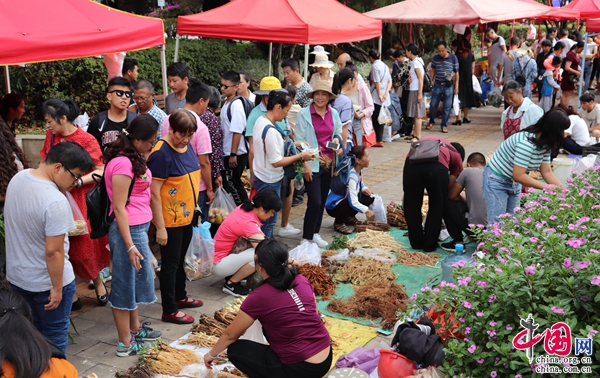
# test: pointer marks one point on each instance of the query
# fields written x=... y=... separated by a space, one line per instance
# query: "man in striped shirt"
x=444 y=68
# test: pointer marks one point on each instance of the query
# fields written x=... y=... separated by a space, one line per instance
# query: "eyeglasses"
x=152 y=143
x=140 y=98
x=120 y=93
x=75 y=177
x=225 y=86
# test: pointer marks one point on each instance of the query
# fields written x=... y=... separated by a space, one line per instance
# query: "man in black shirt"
x=107 y=125
x=545 y=51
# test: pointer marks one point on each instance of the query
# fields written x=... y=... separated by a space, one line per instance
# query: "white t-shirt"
x=579 y=131
x=263 y=165
x=414 y=83
x=568 y=44
x=592 y=119
x=237 y=125
x=34 y=209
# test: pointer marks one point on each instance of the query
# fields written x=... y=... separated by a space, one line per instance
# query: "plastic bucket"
x=394 y=365
x=562 y=168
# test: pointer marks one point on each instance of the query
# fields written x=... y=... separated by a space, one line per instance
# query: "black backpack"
x=520 y=78
x=248 y=106
x=98 y=207
x=418 y=342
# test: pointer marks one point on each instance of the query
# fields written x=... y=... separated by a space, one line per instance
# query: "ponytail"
x=266 y=198
x=272 y=255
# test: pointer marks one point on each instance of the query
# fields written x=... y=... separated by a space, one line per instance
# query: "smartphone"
x=333 y=146
x=138 y=263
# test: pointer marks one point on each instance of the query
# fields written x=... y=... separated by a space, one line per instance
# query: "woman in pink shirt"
x=299 y=344
x=128 y=185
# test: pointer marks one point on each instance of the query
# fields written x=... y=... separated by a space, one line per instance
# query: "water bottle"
x=447 y=263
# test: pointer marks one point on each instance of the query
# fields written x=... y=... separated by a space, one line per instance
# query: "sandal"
x=444 y=129
x=342 y=229
x=189 y=303
x=409 y=137
x=102 y=299
x=414 y=139
x=429 y=126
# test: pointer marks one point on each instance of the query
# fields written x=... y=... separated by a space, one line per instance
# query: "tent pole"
x=512 y=30
x=581 y=77
x=163 y=63
x=176 y=57
x=306 y=48
x=380 y=42
x=7 y=79
x=270 y=58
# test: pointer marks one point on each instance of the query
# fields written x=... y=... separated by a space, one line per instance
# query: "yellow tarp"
x=347 y=335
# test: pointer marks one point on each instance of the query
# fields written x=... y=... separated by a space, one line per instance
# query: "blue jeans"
x=587 y=73
x=53 y=324
x=501 y=195
x=436 y=95
x=202 y=198
x=269 y=224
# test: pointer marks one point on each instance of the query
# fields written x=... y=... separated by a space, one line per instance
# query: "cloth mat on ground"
x=347 y=335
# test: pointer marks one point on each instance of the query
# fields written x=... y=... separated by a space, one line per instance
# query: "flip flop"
x=444 y=129
x=429 y=126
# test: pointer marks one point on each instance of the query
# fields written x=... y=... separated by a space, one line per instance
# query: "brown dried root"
x=331 y=267
x=418 y=258
x=224 y=316
x=372 y=225
x=320 y=280
x=140 y=370
x=209 y=326
x=202 y=339
x=372 y=301
x=374 y=239
x=168 y=360
x=395 y=216
x=359 y=271
x=329 y=253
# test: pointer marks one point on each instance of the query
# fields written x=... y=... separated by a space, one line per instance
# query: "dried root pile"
x=329 y=253
x=225 y=316
x=374 y=239
x=331 y=267
x=167 y=360
x=418 y=258
x=209 y=326
x=373 y=300
x=246 y=181
x=201 y=339
x=318 y=277
x=372 y=225
x=359 y=271
x=141 y=370
x=395 y=216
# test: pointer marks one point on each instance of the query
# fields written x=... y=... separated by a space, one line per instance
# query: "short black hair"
x=128 y=64
x=374 y=53
x=232 y=76
x=118 y=81
x=514 y=41
x=196 y=91
x=390 y=52
x=587 y=97
x=489 y=29
x=292 y=63
x=476 y=158
x=460 y=149
x=399 y=52
x=558 y=46
x=551 y=30
x=547 y=43
x=71 y=155
x=281 y=97
x=178 y=69
x=564 y=32
x=556 y=60
x=443 y=43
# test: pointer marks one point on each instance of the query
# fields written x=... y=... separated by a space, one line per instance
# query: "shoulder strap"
x=130 y=185
x=188 y=173
x=130 y=117
x=102 y=116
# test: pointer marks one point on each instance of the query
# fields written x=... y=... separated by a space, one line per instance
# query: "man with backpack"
x=234 y=113
x=524 y=72
x=107 y=125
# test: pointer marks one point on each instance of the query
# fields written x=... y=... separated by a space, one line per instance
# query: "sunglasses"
x=120 y=93
x=224 y=86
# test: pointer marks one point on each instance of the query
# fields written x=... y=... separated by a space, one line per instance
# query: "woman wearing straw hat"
x=316 y=125
x=323 y=65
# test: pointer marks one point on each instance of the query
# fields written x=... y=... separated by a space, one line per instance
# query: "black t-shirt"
x=107 y=132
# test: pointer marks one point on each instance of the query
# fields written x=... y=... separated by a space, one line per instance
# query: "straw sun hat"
x=322 y=61
x=321 y=86
x=319 y=50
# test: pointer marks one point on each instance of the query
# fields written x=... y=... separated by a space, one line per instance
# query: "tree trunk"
x=277 y=59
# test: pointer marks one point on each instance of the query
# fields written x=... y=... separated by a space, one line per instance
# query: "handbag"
x=448 y=78
x=243 y=243
x=197 y=212
x=426 y=151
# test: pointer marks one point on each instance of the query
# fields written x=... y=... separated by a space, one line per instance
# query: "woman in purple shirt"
x=299 y=344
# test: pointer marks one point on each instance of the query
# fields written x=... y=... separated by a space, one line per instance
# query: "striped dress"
x=517 y=150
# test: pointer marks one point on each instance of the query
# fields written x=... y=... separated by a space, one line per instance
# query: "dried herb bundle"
x=372 y=225
x=168 y=360
x=140 y=370
x=201 y=339
x=374 y=239
x=418 y=258
x=318 y=277
x=209 y=326
x=359 y=271
x=373 y=300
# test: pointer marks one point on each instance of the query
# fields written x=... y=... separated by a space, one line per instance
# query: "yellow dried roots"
x=167 y=360
x=209 y=326
x=374 y=239
x=372 y=225
x=329 y=253
x=418 y=258
x=202 y=339
x=359 y=270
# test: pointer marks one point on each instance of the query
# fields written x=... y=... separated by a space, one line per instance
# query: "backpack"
x=520 y=78
x=289 y=149
x=98 y=207
x=341 y=173
x=419 y=342
x=103 y=116
x=248 y=106
x=427 y=83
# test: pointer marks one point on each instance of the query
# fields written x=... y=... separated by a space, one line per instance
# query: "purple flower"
x=508 y=327
x=530 y=270
x=481 y=284
x=527 y=220
x=493 y=374
x=594 y=251
x=576 y=243
x=479 y=313
x=592 y=333
x=467 y=330
x=461 y=263
x=493 y=323
x=413 y=297
x=518 y=376
x=498 y=270
x=567 y=262
x=425 y=288
x=558 y=310
x=435 y=290
x=553 y=217
x=582 y=264
x=462 y=320
x=472 y=348
x=480 y=360
x=595 y=280
x=534 y=239
x=492 y=333
x=492 y=298
x=466 y=304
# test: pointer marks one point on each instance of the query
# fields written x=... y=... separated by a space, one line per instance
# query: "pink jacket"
x=367 y=107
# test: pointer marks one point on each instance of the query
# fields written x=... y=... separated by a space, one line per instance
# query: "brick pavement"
x=94 y=346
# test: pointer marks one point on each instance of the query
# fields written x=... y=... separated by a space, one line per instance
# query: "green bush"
x=541 y=261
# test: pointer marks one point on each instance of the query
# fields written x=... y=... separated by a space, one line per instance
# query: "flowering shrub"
x=544 y=260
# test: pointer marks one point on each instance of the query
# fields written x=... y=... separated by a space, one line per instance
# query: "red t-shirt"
x=237 y=224
x=448 y=156
x=290 y=318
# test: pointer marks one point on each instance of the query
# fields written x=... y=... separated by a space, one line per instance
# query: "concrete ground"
x=94 y=346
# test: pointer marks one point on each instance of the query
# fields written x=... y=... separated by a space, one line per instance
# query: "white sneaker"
x=319 y=240
x=396 y=136
x=288 y=230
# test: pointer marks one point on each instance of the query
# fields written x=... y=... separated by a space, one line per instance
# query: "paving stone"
x=81 y=363
x=107 y=355
x=80 y=344
x=103 y=370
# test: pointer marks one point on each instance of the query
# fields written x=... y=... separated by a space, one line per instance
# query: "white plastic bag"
x=385 y=117
x=194 y=370
x=430 y=372
x=378 y=208
x=341 y=256
x=81 y=227
x=531 y=32
x=459 y=28
x=376 y=254
x=221 y=206
x=254 y=333
x=387 y=134
x=198 y=260
x=456 y=105
x=307 y=252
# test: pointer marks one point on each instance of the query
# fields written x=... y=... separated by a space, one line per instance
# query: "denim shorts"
x=129 y=287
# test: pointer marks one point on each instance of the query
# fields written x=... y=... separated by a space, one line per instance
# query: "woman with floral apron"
x=521 y=113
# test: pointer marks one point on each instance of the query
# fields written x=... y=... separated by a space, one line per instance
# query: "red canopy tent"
x=559 y=13
x=466 y=11
x=587 y=8
x=593 y=25
x=41 y=30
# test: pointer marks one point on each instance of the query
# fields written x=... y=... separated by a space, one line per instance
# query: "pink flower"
x=595 y=280
x=558 y=310
x=435 y=290
x=426 y=288
x=481 y=284
x=508 y=327
x=567 y=262
x=576 y=243
x=518 y=376
x=462 y=320
x=493 y=323
x=493 y=374
x=534 y=239
x=467 y=330
x=592 y=333
x=461 y=263
x=498 y=270
x=479 y=313
x=413 y=297
x=530 y=270
x=466 y=304
x=582 y=264
x=553 y=217
x=492 y=298
x=594 y=251
x=472 y=348
x=480 y=360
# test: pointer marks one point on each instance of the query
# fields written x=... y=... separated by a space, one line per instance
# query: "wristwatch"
x=232 y=154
